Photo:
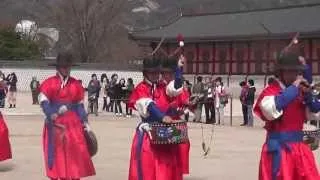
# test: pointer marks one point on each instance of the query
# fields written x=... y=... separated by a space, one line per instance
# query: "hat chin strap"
x=62 y=76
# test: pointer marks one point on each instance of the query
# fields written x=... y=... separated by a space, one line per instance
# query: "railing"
x=230 y=98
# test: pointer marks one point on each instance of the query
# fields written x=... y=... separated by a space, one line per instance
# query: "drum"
x=311 y=136
x=92 y=143
x=173 y=133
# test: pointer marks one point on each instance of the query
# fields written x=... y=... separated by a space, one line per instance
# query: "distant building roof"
x=262 y=24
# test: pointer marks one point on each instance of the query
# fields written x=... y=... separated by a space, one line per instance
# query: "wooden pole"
x=231 y=105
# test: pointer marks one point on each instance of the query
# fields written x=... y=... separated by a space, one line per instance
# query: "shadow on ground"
x=6 y=167
x=194 y=178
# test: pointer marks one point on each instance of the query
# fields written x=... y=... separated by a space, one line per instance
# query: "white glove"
x=63 y=109
x=147 y=128
x=181 y=43
x=144 y=127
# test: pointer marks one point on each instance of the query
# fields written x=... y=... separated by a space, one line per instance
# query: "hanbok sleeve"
x=44 y=98
x=307 y=74
x=140 y=99
x=271 y=103
x=174 y=88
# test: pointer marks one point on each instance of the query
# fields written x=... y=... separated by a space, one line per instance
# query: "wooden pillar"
x=214 y=50
x=268 y=63
x=197 y=58
x=231 y=58
x=230 y=61
x=249 y=57
x=311 y=54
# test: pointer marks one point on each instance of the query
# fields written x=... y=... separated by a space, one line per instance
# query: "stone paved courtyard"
x=234 y=152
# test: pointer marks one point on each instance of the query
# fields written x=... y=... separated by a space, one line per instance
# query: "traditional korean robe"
x=149 y=161
x=65 y=149
x=5 y=147
x=284 y=155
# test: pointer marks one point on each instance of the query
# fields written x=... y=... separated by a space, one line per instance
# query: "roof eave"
x=227 y=38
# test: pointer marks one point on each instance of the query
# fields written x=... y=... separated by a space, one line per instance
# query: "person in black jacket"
x=3 y=90
x=12 y=82
x=93 y=94
x=250 y=101
x=34 y=86
x=111 y=92
x=119 y=96
x=128 y=91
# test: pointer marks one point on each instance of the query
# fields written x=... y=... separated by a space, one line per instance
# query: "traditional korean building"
x=238 y=43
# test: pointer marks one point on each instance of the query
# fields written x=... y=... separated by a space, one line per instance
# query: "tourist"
x=250 y=101
x=12 y=94
x=93 y=94
x=198 y=93
x=129 y=89
x=34 y=86
x=243 y=101
x=220 y=100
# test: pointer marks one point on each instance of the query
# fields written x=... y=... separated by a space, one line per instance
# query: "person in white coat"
x=219 y=101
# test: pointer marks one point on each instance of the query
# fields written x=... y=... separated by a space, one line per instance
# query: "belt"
x=276 y=141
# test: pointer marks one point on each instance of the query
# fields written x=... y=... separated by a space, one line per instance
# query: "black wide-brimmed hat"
x=64 y=59
x=168 y=64
x=288 y=61
x=151 y=65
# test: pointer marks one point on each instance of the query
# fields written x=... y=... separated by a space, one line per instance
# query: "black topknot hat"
x=151 y=65
x=168 y=64
x=288 y=61
x=64 y=59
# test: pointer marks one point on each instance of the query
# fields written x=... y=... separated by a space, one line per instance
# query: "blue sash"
x=276 y=141
x=140 y=135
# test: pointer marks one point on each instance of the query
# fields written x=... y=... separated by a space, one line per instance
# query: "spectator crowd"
x=207 y=93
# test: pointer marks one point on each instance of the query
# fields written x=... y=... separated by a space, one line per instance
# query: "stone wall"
x=25 y=74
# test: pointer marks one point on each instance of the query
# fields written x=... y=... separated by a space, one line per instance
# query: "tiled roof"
x=303 y=19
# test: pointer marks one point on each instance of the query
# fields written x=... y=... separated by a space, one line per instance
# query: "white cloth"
x=268 y=108
x=103 y=91
x=42 y=97
x=142 y=106
x=218 y=91
x=172 y=91
x=64 y=81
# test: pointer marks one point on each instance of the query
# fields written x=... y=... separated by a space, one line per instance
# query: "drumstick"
x=150 y=136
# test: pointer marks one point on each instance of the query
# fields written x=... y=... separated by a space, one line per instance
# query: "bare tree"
x=86 y=26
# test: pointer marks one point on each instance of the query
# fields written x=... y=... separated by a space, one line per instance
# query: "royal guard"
x=5 y=147
x=282 y=106
x=150 y=161
x=66 y=150
x=171 y=73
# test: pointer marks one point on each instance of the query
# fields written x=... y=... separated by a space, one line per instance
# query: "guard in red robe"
x=149 y=161
x=171 y=73
x=5 y=147
x=282 y=106
x=65 y=148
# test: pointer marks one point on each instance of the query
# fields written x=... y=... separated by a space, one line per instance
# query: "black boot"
x=10 y=106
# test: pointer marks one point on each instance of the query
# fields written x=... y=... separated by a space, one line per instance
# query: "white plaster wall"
x=25 y=75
